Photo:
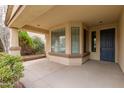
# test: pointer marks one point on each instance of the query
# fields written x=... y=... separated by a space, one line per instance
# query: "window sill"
x=66 y=55
x=57 y=54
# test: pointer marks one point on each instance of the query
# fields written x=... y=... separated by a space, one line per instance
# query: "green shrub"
x=25 y=39
x=38 y=45
x=11 y=70
x=26 y=43
x=30 y=45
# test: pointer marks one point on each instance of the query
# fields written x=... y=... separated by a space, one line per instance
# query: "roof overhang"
x=24 y=15
x=8 y=14
x=43 y=17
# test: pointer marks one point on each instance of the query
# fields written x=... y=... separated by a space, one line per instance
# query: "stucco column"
x=47 y=43
x=14 y=48
x=68 y=40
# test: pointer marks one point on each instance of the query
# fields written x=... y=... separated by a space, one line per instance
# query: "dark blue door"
x=107 y=45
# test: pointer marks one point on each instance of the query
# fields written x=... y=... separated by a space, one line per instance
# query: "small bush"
x=25 y=39
x=30 y=45
x=26 y=43
x=11 y=70
x=38 y=45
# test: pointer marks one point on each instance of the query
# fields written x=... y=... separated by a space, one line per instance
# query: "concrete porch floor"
x=44 y=74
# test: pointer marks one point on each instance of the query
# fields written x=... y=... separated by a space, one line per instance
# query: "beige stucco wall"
x=121 y=41
x=67 y=27
x=63 y=60
x=96 y=55
x=93 y=55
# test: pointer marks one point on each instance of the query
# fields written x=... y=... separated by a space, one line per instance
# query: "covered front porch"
x=72 y=37
x=42 y=73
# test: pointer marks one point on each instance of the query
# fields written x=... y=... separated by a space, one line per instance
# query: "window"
x=75 y=40
x=93 y=45
x=58 y=41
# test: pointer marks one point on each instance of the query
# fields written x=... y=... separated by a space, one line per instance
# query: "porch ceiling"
x=48 y=16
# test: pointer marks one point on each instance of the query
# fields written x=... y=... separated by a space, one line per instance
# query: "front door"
x=107 y=45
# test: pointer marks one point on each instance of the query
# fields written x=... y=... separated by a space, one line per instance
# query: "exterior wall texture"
x=66 y=60
x=119 y=38
x=96 y=55
x=93 y=55
x=121 y=41
x=14 y=48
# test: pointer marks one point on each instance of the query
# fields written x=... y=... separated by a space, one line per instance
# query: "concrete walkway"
x=44 y=74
